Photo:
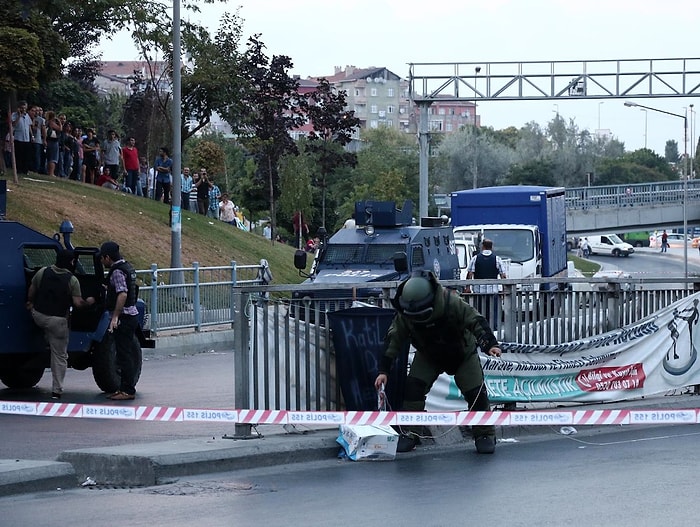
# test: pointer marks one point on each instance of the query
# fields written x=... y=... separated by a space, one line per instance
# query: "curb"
x=157 y=463
x=18 y=476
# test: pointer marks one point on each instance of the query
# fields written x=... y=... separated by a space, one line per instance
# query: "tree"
x=385 y=151
x=273 y=110
x=296 y=174
x=333 y=129
x=21 y=62
x=17 y=72
x=209 y=154
x=534 y=172
x=211 y=79
x=671 y=151
x=473 y=151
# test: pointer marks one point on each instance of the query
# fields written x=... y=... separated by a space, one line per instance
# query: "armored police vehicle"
x=24 y=354
x=366 y=253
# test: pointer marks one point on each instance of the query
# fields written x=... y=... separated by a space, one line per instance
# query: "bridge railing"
x=633 y=195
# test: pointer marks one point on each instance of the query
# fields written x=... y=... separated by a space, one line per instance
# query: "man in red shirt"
x=130 y=159
x=107 y=181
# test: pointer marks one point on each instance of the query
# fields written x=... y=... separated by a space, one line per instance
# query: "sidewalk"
x=158 y=463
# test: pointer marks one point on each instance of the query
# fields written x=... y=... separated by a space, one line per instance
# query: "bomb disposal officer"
x=446 y=332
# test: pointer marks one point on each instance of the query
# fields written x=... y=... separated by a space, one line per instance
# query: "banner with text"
x=653 y=356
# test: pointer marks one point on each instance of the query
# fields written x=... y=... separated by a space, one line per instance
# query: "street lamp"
x=599 y=105
x=685 y=174
x=691 y=174
x=646 y=117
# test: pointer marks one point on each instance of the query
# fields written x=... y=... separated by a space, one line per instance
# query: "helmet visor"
x=419 y=316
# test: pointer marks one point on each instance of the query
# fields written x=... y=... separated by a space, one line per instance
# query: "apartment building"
x=380 y=97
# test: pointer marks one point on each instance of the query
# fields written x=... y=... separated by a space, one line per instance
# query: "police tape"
x=282 y=417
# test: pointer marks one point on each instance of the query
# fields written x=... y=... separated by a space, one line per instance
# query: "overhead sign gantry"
x=544 y=80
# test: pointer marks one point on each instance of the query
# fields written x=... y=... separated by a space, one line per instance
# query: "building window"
x=390 y=92
x=390 y=109
x=359 y=108
x=436 y=126
x=390 y=123
x=374 y=92
x=449 y=127
x=441 y=111
x=373 y=109
x=373 y=123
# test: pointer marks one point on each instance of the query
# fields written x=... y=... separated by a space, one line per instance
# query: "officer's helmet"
x=416 y=298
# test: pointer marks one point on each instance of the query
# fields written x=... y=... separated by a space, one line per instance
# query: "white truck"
x=527 y=225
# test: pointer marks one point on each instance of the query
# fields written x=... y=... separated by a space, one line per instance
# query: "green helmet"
x=416 y=298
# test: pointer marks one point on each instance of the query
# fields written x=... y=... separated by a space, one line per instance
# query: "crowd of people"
x=51 y=144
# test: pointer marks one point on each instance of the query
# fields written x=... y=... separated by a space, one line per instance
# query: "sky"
x=321 y=34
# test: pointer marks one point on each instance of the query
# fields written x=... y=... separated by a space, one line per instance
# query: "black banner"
x=358 y=337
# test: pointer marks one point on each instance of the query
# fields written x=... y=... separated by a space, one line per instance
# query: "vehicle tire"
x=616 y=253
x=21 y=377
x=639 y=244
x=104 y=365
x=569 y=246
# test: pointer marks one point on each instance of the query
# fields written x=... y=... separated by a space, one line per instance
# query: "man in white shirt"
x=22 y=131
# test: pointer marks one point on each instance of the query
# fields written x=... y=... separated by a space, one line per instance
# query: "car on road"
x=675 y=240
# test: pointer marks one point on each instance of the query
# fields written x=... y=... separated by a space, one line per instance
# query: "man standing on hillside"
x=214 y=197
x=203 y=185
x=130 y=158
x=22 y=130
x=52 y=292
x=112 y=153
x=185 y=188
x=163 y=173
x=121 y=304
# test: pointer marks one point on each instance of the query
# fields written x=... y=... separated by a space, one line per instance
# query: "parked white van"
x=609 y=244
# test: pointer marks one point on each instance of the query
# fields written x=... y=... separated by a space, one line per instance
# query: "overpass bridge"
x=629 y=208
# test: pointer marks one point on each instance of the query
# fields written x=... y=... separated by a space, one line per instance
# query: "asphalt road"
x=646 y=262
x=629 y=477
x=203 y=380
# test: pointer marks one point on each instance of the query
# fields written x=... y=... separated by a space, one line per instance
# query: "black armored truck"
x=24 y=353
x=367 y=252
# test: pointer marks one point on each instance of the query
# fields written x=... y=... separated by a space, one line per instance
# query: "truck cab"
x=366 y=252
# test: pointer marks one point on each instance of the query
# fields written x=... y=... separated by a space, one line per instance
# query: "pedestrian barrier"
x=281 y=417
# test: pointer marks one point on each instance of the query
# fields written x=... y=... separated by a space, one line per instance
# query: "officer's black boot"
x=484 y=436
x=414 y=401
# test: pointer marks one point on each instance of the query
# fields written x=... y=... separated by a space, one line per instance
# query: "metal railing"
x=193 y=297
x=288 y=363
x=284 y=360
x=639 y=194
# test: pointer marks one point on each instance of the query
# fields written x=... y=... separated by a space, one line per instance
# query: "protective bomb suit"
x=446 y=332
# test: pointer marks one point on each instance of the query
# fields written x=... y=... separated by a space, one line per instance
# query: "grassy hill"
x=139 y=226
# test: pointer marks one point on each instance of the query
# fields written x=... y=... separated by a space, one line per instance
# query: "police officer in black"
x=121 y=304
x=51 y=294
x=487 y=266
